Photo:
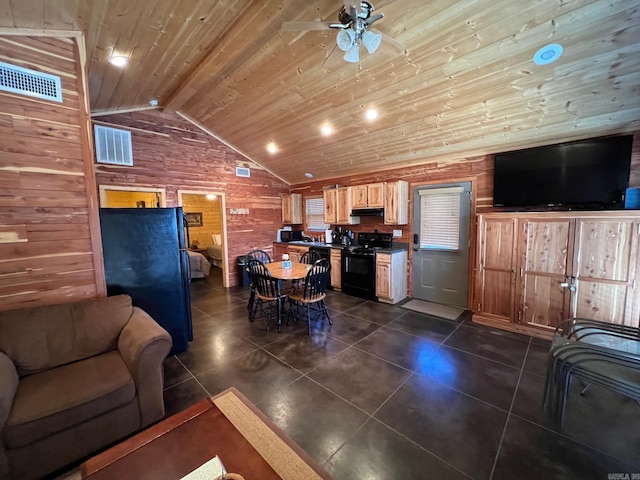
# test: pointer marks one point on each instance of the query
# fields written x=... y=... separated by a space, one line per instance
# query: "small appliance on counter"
x=290 y=235
x=279 y=234
x=328 y=236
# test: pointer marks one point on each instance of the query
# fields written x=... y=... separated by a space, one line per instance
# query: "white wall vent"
x=29 y=82
x=113 y=146
x=243 y=172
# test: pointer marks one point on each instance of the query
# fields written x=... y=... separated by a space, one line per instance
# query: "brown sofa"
x=75 y=378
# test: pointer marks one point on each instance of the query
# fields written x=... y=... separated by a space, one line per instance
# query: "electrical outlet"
x=397 y=233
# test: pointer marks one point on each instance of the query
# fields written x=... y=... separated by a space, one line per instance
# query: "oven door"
x=358 y=274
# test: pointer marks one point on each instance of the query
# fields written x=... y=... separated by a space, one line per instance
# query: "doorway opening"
x=207 y=228
x=118 y=196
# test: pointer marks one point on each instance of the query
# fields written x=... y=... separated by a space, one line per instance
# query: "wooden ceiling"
x=466 y=85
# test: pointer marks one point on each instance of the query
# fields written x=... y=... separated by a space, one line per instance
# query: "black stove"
x=358 y=264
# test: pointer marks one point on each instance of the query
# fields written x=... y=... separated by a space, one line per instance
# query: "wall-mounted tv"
x=590 y=173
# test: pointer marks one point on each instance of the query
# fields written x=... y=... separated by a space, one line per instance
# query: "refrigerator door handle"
x=188 y=261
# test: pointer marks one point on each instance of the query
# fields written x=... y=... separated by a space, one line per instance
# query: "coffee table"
x=227 y=425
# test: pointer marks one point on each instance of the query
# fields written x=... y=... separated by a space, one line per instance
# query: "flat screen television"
x=589 y=174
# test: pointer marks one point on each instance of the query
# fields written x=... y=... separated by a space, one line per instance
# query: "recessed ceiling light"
x=326 y=130
x=272 y=147
x=308 y=175
x=119 y=60
x=371 y=114
x=548 y=54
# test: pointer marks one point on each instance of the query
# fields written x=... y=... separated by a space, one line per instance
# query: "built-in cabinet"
x=392 y=196
x=535 y=270
x=391 y=276
x=279 y=249
x=344 y=206
x=296 y=251
x=367 y=196
x=396 y=203
x=292 y=208
x=336 y=268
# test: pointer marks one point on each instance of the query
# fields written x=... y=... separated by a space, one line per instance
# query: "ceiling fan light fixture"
x=353 y=55
x=371 y=41
x=345 y=39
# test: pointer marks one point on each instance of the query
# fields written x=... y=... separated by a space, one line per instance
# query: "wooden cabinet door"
x=383 y=275
x=604 y=270
x=330 y=210
x=336 y=269
x=375 y=195
x=495 y=278
x=544 y=283
x=287 y=213
x=359 y=196
x=278 y=251
x=343 y=207
x=396 y=203
x=296 y=252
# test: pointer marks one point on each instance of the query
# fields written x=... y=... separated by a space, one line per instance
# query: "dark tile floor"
x=389 y=393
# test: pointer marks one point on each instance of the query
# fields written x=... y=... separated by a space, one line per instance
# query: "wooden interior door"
x=496 y=268
x=544 y=285
x=605 y=267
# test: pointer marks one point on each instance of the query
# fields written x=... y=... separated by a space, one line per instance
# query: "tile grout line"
x=506 y=422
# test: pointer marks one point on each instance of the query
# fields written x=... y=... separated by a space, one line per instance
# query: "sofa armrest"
x=8 y=385
x=144 y=345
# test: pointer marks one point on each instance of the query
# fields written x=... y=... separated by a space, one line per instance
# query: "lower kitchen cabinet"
x=278 y=250
x=535 y=270
x=295 y=252
x=391 y=276
x=336 y=268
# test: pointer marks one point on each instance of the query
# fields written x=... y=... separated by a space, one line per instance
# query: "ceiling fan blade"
x=392 y=42
x=374 y=18
x=353 y=55
x=300 y=26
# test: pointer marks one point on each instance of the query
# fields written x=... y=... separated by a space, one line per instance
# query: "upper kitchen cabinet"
x=330 y=205
x=292 y=208
x=367 y=196
x=344 y=207
x=396 y=203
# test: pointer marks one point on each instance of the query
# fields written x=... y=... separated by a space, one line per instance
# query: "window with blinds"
x=440 y=218
x=314 y=213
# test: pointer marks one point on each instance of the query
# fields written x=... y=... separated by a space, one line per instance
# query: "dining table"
x=277 y=270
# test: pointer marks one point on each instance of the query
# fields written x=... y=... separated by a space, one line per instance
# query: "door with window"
x=440 y=266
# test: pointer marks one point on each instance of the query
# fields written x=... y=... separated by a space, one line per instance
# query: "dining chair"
x=264 y=258
x=312 y=293
x=267 y=291
x=309 y=257
x=595 y=352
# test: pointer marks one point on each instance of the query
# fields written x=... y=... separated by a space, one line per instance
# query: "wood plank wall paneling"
x=188 y=159
x=46 y=250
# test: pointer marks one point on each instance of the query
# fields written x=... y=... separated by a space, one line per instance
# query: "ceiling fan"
x=353 y=25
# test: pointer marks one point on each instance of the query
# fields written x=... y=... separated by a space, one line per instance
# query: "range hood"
x=367 y=212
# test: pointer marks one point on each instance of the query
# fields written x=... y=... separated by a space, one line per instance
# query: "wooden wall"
x=211 y=221
x=171 y=153
x=49 y=233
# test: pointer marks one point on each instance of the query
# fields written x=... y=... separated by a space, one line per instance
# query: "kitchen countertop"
x=395 y=247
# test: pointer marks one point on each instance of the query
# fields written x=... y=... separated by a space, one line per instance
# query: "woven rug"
x=279 y=451
x=434 y=309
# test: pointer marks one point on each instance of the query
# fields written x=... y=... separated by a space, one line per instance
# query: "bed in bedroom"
x=214 y=252
x=199 y=265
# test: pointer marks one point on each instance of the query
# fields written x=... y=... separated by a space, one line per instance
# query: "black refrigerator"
x=145 y=257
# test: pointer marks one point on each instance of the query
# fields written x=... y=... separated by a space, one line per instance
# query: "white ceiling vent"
x=29 y=82
x=243 y=172
x=113 y=146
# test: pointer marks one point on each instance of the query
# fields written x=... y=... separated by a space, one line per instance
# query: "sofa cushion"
x=51 y=401
x=40 y=338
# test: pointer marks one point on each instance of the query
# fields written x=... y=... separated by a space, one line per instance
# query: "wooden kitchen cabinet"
x=391 y=276
x=535 y=270
x=292 y=208
x=330 y=205
x=367 y=196
x=296 y=251
x=344 y=206
x=278 y=250
x=396 y=203
x=336 y=268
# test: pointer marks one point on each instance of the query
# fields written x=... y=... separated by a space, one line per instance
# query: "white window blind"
x=314 y=213
x=440 y=218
